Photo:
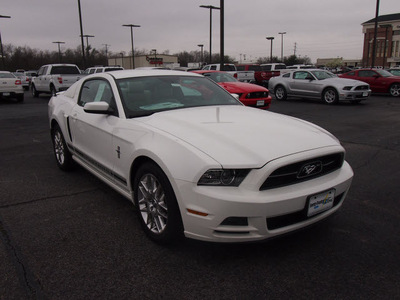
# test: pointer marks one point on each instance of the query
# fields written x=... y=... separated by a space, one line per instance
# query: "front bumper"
x=354 y=95
x=246 y=214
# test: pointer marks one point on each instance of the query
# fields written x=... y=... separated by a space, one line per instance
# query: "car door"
x=304 y=84
x=39 y=81
x=92 y=134
x=372 y=78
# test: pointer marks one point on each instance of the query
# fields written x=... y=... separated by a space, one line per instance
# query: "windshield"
x=384 y=73
x=220 y=77
x=65 y=70
x=143 y=96
x=321 y=75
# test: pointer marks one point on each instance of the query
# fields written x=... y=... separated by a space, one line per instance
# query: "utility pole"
x=295 y=48
x=106 y=45
x=375 y=32
x=59 y=50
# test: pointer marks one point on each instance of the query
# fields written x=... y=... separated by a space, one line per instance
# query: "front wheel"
x=394 y=90
x=35 y=93
x=280 y=93
x=63 y=156
x=330 y=96
x=156 y=204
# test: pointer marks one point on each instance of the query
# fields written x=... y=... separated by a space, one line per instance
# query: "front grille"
x=362 y=88
x=257 y=95
x=303 y=170
x=296 y=217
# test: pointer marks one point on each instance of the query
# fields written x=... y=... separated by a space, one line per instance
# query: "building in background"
x=151 y=60
x=387 y=41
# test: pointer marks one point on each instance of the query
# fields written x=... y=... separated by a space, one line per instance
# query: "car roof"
x=143 y=73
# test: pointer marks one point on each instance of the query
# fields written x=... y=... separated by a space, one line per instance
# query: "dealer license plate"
x=365 y=94
x=320 y=202
x=260 y=102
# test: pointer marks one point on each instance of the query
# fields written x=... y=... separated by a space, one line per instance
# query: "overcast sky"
x=319 y=28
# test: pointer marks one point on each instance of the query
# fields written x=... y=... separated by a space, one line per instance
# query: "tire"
x=156 y=204
x=53 y=91
x=394 y=90
x=61 y=152
x=35 y=93
x=280 y=93
x=20 y=98
x=330 y=96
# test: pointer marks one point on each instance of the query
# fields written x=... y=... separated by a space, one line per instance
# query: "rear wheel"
x=280 y=93
x=330 y=96
x=63 y=156
x=394 y=90
x=156 y=204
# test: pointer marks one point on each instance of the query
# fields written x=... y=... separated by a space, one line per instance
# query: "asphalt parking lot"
x=68 y=236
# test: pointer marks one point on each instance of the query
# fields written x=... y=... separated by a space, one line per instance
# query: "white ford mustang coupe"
x=194 y=160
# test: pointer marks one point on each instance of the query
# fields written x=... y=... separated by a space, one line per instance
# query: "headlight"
x=223 y=177
x=347 y=88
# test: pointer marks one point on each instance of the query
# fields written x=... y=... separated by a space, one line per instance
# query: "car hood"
x=241 y=87
x=344 y=81
x=238 y=136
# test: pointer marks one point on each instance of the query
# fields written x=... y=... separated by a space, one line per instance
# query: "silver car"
x=320 y=84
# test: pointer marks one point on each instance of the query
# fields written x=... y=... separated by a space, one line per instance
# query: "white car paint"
x=187 y=142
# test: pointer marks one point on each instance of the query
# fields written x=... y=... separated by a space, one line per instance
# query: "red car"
x=380 y=81
x=249 y=94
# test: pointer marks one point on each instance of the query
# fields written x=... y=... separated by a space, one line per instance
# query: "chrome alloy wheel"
x=330 y=96
x=280 y=93
x=152 y=205
x=395 y=90
x=59 y=149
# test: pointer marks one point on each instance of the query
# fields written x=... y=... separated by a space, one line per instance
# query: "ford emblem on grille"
x=310 y=169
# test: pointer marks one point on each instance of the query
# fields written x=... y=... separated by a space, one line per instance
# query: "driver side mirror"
x=102 y=108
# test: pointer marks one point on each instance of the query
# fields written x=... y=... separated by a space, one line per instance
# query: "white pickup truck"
x=244 y=76
x=55 y=78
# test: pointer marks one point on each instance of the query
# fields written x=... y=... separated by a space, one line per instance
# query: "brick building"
x=387 y=41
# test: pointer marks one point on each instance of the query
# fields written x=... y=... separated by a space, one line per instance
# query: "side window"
x=366 y=73
x=206 y=68
x=240 y=68
x=40 y=72
x=286 y=75
x=213 y=68
x=96 y=90
x=300 y=75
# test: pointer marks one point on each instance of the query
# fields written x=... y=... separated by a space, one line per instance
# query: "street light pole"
x=201 y=52
x=1 y=44
x=270 y=38
x=210 y=7
x=222 y=30
x=81 y=27
x=282 y=33
x=133 y=55
x=59 y=50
